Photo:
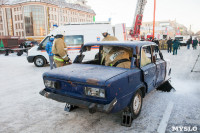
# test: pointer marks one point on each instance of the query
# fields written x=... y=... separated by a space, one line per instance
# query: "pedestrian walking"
x=49 y=51
x=169 y=45
x=194 y=44
x=189 y=41
x=176 y=44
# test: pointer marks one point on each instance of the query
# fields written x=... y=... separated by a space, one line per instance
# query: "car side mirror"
x=79 y=58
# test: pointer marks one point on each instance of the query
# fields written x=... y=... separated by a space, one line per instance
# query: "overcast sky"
x=185 y=12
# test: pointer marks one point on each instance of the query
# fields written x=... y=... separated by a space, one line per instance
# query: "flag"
x=1 y=44
x=93 y=18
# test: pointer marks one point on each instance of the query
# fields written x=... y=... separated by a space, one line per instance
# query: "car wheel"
x=136 y=104
x=39 y=61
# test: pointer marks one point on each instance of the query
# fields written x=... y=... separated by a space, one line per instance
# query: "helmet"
x=59 y=36
x=105 y=34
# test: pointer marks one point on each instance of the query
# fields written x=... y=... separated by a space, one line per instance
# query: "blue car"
x=89 y=83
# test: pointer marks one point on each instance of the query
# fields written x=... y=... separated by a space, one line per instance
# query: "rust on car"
x=92 y=81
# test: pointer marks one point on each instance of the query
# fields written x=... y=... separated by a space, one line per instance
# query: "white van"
x=75 y=35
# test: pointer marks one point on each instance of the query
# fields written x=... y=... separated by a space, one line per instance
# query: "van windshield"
x=179 y=38
x=74 y=40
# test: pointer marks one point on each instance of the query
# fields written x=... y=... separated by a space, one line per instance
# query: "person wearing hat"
x=60 y=54
x=117 y=57
x=108 y=37
x=48 y=48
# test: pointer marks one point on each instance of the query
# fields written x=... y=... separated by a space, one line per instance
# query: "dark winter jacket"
x=195 y=42
x=169 y=43
x=176 y=44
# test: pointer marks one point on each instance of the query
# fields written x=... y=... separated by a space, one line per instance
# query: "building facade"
x=36 y=18
x=167 y=28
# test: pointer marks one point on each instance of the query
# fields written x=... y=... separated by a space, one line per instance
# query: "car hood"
x=85 y=73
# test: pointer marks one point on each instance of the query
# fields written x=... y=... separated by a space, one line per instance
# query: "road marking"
x=163 y=124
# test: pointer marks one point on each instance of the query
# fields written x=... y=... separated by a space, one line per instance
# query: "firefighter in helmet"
x=108 y=37
x=59 y=50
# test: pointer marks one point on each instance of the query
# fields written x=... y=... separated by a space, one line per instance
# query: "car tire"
x=136 y=104
x=39 y=61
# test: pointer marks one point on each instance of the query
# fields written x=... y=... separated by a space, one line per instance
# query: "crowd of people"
x=58 y=57
x=174 y=45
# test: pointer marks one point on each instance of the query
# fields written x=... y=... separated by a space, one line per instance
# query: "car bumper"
x=93 y=107
x=30 y=59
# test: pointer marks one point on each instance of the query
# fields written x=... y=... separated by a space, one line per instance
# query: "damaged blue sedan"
x=92 y=83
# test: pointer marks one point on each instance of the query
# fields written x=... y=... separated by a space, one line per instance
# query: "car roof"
x=131 y=44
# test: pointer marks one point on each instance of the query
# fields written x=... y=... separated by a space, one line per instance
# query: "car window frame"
x=141 y=55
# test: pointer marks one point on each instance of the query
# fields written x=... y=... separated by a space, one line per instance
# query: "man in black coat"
x=157 y=42
x=169 y=45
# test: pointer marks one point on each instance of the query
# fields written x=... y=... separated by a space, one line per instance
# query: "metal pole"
x=154 y=14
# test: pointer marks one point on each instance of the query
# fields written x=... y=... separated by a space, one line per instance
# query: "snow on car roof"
x=131 y=44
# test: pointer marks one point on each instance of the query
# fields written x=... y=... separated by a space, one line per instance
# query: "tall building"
x=36 y=18
x=167 y=28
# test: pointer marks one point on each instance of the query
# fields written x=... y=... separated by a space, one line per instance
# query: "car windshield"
x=113 y=56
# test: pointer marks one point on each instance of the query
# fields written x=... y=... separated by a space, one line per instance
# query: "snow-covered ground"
x=23 y=109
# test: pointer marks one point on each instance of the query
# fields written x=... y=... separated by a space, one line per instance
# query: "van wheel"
x=136 y=104
x=39 y=61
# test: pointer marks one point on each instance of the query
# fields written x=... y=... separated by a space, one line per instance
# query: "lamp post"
x=154 y=18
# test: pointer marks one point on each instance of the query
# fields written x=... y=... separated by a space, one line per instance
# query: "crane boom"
x=137 y=22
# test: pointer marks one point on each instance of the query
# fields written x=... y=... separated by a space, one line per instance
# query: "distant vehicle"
x=75 y=35
x=30 y=43
x=92 y=85
x=182 y=39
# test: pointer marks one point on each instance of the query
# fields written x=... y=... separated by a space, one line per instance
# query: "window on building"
x=22 y=33
x=55 y=18
x=18 y=17
x=19 y=26
x=21 y=17
x=19 y=33
x=22 y=26
x=16 y=33
x=15 y=17
x=14 y=9
x=0 y=18
x=16 y=26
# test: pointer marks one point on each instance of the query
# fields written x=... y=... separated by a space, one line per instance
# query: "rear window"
x=74 y=40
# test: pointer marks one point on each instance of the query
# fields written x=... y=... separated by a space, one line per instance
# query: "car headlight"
x=51 y=84
x=96 y=92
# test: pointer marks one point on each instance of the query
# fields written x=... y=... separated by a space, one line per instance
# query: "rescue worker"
x=107 y=37
x=60 y=54
x=117 y=57
x=176 y=44
x=158 y=44
x=49 y=52
x=194 y=43
x=169 y=45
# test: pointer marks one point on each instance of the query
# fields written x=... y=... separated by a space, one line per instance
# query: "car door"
x=160 y=66
x=148 y=67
